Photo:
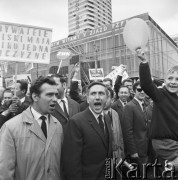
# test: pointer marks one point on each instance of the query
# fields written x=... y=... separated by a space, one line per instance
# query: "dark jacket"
x=134 y=127
x=118 y=107
x=58 y=113
x=85 y=147
x=83 y=105
x=74 y=94
x=164 y=123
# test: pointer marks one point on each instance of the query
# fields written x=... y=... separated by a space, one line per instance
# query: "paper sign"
x=117 y=71
x=23 y=43
x=96 y=74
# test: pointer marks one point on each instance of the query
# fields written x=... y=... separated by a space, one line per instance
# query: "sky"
x=54 y=13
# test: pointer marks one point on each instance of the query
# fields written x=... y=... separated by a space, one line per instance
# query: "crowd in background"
x=55 y=133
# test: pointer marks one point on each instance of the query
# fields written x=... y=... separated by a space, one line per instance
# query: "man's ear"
x=24 y=92
x=64 y=85
x=35 y=97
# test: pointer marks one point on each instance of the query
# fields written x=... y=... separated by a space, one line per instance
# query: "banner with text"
x=22 y=43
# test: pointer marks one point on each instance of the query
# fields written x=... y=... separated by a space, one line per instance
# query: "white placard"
x=23 y=43
x=96 y=74
x=117 y=71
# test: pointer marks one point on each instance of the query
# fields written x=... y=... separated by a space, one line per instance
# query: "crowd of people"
x=53 y=134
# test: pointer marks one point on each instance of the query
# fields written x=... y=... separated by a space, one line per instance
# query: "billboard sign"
x=23 y=43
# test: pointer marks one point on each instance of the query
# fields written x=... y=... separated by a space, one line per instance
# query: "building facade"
x=105 y=46
x=85 y=15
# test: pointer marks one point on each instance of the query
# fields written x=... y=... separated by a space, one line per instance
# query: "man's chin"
x=172 y=90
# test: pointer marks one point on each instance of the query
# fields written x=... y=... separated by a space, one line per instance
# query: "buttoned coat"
x=135 y=129
x=25 y=153
x=86 y=149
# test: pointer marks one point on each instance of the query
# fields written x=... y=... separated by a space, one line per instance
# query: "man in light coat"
x=30 y=143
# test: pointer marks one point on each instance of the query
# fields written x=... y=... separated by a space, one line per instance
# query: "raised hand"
x=141 y=55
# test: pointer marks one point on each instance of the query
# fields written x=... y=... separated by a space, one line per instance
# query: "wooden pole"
x=16 y=69
x=59 y=66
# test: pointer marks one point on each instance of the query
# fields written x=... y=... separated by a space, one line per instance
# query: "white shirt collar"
x=122 y=102
x=96 y=115
x=140 y=102
x=65 y=100
x=36 y=114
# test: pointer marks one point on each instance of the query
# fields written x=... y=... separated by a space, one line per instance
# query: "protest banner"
x=23 y=43
x=117 y=71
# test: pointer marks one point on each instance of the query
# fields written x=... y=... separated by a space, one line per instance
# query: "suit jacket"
x=118 y=107
x=58 y=113
x=25 y=153
x=135 y=129
x=85 y=147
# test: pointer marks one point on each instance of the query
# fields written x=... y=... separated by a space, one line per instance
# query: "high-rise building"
x=86 y=15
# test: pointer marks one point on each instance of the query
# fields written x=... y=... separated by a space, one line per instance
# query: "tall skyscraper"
x=85 y=15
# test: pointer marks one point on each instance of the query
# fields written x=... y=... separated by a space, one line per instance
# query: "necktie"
x=65 y=109
x=145 y=113
x=101 y=124
x=43 y=125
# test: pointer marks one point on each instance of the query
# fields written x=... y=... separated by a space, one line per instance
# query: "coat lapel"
x=60 y=111
x=108 y=126
x=34 y=126
x=119 y=104
x=51 y=132
x=96 y=126
x=70 y=107
x=138 y=105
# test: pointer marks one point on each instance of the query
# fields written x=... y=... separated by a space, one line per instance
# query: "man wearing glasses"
x=134 y=124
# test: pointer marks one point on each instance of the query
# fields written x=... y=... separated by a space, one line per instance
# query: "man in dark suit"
x=65 y=107
x=135 y=127
x=123 y=95
x=87 y=141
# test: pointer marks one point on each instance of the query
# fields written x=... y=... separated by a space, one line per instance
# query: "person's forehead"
x=97 y=88
x=175 y=74
x=124 y=89
x=106 y=82
x=128 y=83
x=138 y=86
x=7 y=94
x=47 y=88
